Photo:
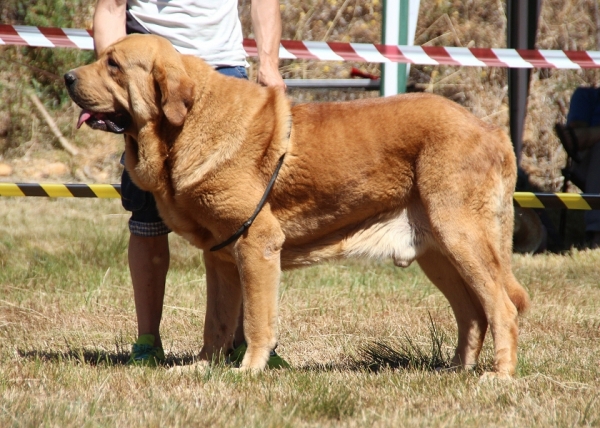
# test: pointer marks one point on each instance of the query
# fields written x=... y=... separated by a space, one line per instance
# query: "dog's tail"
x=517 y=294
x=507 y=183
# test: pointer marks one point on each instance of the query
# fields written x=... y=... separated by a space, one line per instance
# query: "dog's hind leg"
x=468 y=198
x=469 y=314
x=224 y=302
x=473 y=247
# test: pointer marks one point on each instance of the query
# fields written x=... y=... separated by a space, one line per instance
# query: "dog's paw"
x=247 y=370
x=495 y=376
x=456 y=368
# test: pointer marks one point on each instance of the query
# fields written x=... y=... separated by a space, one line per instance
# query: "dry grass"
x=67 y=318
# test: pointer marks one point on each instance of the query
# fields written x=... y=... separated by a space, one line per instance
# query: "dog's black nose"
x=70 y=78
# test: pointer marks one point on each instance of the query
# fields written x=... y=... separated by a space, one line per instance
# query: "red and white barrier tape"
x=336 y=51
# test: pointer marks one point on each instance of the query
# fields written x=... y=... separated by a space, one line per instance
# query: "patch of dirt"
x=98 y=161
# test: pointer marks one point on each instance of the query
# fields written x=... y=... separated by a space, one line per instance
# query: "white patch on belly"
x=403 y=236
x=190 y=237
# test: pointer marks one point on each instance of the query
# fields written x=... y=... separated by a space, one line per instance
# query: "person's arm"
x=266 y=24
x=109 y=23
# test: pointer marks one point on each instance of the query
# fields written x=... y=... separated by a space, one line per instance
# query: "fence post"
x=399 y=25
x=522 y=21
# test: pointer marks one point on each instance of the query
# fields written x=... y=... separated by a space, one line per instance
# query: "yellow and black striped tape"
x=55 y=190
x=571 y=201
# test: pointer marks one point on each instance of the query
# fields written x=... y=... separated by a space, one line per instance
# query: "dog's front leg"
x=258 y=256
x=224 y=302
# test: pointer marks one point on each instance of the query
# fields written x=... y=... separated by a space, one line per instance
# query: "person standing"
x=211 y=30
x=579 y=137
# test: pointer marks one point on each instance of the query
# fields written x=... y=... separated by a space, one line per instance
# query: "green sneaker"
x=144 y=353
x=275 y=361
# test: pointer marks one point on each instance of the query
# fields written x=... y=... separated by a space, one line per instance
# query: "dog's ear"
x=176 y=87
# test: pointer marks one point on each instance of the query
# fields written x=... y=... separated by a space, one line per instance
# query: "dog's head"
x=135 y=81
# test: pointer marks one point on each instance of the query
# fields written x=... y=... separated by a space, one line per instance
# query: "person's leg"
x=148 y=266
x=148 y=256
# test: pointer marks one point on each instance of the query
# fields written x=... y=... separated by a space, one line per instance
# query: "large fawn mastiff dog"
x=407 y=178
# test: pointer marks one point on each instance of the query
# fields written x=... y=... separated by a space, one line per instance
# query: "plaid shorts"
x=144 y=220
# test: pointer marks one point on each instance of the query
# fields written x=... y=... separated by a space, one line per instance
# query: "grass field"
x=67 y=319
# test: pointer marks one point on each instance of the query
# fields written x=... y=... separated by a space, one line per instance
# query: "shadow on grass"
x=94 y=357
x=373 y=357
x=401 y=354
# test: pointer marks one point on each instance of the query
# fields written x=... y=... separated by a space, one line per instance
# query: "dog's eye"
x=113 y=64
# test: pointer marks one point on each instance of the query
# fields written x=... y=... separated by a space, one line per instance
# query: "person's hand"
x=268 y=75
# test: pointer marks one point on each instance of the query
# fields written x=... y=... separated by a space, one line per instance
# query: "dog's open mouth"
x=109 y=122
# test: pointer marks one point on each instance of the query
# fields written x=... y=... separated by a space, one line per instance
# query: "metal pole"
x=522 y=27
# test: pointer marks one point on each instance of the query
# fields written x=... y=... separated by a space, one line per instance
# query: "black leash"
x=249 y=222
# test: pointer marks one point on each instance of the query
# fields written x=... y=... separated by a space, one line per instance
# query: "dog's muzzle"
x=109 y=122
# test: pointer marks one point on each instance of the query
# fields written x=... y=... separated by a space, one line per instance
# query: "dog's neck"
x=231 y=115
x=221 y=121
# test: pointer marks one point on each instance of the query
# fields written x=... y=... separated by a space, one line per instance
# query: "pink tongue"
x=85 y=115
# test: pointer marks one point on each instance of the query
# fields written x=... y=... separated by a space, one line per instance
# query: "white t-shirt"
x=209 y=29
